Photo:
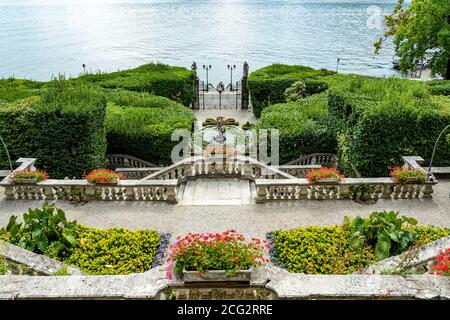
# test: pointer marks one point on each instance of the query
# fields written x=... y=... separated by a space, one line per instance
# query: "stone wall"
x=266 y=283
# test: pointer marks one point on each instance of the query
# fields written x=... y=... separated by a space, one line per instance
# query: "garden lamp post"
x=337 y=66
x=430 y=175
x=84 y=68
x=207 y=68
x=231 y=68
x=7 y=154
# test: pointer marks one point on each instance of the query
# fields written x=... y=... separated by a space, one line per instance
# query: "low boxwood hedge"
x=319 y=250
x=63 y=127
x=175 y=83
x=268 y=85
x=141 y=125
x=114 y=251
x=326 y=250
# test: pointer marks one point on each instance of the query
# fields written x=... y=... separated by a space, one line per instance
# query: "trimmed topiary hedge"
x=114 y=251
x=304 y=127
x=15 y=89
x=387 y=119
x=141 y=125
x=175 y=83
x=63 y=127
x=319 y=250
x=327 y=250
x=267 y=85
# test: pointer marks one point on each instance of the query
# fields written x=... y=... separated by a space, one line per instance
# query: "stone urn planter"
x=216 y=276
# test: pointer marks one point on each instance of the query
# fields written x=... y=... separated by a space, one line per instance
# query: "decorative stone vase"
x=25 y=181
x=217 y=276
x=328 y=181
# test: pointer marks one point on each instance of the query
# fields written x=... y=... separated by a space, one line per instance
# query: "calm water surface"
x=41 y=37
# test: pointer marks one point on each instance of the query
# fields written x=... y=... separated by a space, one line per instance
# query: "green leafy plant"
x=44 y=230
x=383 y=231
x=30 y=175
x=405 y=175
x=304 y=88
x=63 y=271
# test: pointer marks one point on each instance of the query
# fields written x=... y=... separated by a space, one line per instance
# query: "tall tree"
x=421 y=28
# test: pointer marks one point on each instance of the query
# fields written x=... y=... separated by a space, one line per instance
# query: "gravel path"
x=252 y=220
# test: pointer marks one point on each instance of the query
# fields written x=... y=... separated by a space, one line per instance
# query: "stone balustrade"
x=298 y=171
x=239 y=166
x=137 y=173
x=376 y=188
x=323 y=159
x=125 y=161
x=137 y=190
x=74 y=190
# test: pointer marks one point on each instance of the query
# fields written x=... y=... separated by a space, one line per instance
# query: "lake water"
x=41 y=37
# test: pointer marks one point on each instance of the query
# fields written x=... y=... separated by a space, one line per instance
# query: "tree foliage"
x=421 y=28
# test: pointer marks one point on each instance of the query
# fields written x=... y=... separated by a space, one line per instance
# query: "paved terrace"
x=250 y=219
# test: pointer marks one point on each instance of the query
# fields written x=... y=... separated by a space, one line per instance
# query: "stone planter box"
x=25 y=181
x=111 y=183
x=216 y=276
x=409 y=181
x=327 y=181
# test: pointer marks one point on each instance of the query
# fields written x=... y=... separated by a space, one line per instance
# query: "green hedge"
x=63 y=127
x=114 y=251
x=141 y=125
x=320 y=250
x=304 y=127
x=439 y=87
x=326 y=250
x=175 y=83
x=15 y=89
x=387 y=119
x=267 y=85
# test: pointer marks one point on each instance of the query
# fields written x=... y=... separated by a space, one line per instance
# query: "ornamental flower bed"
x=406 y=175
x=103 y=176
x=228 y=252
x=29 y=176
x=442 y=267
x=324 y=175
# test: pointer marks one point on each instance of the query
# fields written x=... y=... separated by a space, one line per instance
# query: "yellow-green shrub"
x=319 y=250
x=427 y=234
x=114 y=251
